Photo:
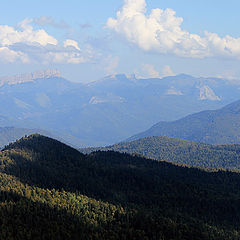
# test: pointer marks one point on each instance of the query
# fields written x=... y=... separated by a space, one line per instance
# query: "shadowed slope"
x=160 y=200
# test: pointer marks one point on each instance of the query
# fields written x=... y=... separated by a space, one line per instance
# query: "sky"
x=87 y=40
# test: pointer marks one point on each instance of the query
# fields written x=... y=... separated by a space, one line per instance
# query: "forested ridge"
x=221 y=126
x=51 y=191
x=180 y=151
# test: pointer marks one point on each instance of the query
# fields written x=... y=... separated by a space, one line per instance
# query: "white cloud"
x=229 y=75
x=161 y=31
x=10 y=36
x=11 y=56
x=25 y=44
x=149 y=71
x=71 y=43
x=167 y=71
x=65 y=57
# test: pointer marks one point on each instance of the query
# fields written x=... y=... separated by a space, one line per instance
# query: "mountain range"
x=109 y=110
x=220 y=126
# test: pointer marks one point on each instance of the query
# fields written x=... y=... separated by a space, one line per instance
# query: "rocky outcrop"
x=29 y=77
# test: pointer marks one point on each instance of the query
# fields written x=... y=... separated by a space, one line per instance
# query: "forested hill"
x=180 y=151
x=51 y=191
x=220 y=126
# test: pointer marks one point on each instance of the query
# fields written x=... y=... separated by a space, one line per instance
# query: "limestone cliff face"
x=206 y=93
x=29 y=77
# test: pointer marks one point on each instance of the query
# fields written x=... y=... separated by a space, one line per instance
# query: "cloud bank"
x=149 y=71
x=26 y=45
x=161 y=31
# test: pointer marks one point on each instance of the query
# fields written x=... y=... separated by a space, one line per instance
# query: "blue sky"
x=86 y=40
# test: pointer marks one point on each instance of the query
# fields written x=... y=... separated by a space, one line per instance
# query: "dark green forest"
x=49 y=190
x=180 y=151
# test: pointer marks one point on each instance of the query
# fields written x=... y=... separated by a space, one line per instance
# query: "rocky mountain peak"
x=29 y=77
x=206 y=93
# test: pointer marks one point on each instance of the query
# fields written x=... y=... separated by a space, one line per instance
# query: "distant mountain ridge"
x=220 y=126
x=107 y=111
x=28 y=77
x=11 y=134
x=179 y=151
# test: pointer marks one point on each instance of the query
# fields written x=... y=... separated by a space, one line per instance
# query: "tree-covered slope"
x=180 y=151
x=51 y=191
x=215 y=127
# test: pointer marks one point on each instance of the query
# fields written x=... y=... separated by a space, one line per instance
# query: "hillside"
x=106 y=111
x=179 y=151
x=220 y=126
x=51 y=191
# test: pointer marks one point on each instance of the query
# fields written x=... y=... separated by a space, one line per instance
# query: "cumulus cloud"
x=161 y=31
x=9 y=35
x=71 y=43
x=11 y=56
x=25 y=44
x=167 y=71
x=150 y=71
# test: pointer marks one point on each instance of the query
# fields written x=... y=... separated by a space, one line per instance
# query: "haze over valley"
x=109 y=110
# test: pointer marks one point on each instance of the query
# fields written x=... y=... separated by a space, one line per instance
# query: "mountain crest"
x=29 y=77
